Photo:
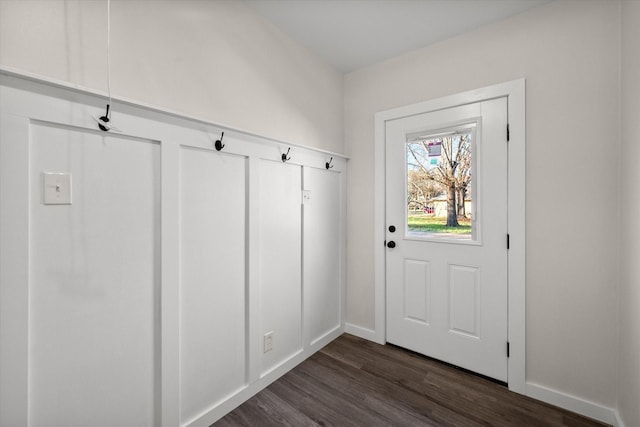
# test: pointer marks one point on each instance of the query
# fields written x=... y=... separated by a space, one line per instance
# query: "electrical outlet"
x=306 y=197
x=268 y=342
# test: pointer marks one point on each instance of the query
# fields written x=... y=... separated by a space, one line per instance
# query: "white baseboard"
x=231 y=402
x=574 y=404
x=618 y=421
x=364 y=333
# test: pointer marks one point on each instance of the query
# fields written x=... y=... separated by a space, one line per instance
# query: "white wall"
x=568 y=53
x=216 y=60
x=629 y=297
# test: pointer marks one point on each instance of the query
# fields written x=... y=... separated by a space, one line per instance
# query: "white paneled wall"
x=322 y=237
x=146 y=300
x=213 y=295
x=93 y=279
x=280 y=261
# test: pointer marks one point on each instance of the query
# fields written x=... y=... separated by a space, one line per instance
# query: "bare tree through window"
x=439 y=170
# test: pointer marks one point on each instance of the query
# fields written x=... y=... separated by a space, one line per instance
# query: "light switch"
x=57 y=188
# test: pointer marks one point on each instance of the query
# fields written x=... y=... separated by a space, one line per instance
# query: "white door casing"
x=515 y=93
x=447 y=296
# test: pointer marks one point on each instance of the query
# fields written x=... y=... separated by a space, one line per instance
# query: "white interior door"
x=447 y=285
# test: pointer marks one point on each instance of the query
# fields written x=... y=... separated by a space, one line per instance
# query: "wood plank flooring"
x=354 y=382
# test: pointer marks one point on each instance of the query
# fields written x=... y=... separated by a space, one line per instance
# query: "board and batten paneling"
x=213 y=301
x=280 y=262
x=94 y=280
x=322 y=251
x=146 y=300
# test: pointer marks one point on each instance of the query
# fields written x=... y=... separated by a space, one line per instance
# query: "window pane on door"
x=440 y=196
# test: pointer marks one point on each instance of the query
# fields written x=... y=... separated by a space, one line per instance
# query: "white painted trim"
x=253 y=272
x=360 y=332
x=379 y=274
x=618 y=420
x=286 y=362
x=515 y=93
x=574 y=404
x=516 y=227
x=232 y=402
x=337 y=331
x=14 y=270
x=66 y=86
x=169 y=288
x=343 y=249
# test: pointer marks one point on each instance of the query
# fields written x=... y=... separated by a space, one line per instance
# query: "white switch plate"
x=57 y=188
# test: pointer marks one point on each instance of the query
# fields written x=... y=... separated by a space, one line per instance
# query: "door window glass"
x=440 y=185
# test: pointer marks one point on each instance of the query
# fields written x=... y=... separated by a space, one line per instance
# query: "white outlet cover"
x=306 y=197
x=56 y=188
x=268 y=342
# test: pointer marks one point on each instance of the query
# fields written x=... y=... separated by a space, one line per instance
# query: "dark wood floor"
x=354 y=382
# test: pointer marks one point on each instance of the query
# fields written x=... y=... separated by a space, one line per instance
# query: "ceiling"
x=350 y=34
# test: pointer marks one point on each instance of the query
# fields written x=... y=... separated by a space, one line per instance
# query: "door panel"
x=447 y=283
x=417 y=282
x=464 y=301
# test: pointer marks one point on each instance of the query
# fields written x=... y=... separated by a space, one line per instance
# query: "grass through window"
x=427 y=223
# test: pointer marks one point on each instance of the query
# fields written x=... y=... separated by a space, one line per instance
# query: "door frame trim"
x=514 y=91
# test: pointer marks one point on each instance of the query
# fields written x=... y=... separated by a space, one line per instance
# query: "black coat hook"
x=104 y=119
x=286 y=157
x=328 y=165
x=219 y=144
